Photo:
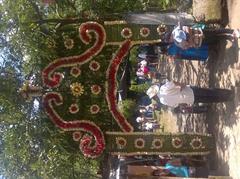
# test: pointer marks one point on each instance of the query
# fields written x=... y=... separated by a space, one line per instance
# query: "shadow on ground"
x=218 y=72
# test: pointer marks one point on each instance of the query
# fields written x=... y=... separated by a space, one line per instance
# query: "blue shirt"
x=200 y=53
x=179 y=171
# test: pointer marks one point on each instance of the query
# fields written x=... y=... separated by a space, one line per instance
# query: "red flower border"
x=52 y=98
x=111 y=87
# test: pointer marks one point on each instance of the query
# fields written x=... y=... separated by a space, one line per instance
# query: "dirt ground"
x=223 y=119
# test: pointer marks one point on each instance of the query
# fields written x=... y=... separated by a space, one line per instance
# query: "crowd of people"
x=194 y=44
x=184 y=43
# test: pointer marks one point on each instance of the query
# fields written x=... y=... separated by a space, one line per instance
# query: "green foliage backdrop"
x=30 y=145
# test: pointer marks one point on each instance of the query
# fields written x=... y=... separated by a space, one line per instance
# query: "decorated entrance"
x=80 y=91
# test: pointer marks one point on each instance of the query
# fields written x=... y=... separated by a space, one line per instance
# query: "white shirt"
x=139 y=119
x=172 y=95
x=148 y=125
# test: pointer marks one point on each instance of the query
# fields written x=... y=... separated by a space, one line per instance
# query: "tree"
x=32 y=34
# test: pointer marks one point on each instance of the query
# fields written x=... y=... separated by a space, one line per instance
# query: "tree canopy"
x=30 y=145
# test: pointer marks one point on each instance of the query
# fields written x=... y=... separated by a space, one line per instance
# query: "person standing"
x=174 y=94
x=186 y=37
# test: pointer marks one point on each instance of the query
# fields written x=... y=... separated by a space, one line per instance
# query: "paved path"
x=228 y=74
x=223 y=119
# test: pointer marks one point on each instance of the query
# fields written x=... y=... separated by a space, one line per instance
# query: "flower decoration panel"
x=146 y=143
x=81 y=87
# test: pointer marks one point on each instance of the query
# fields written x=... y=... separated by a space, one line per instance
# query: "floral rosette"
x=161 y=29
x=77 y=89
x=121 y=142
x=77 y=136
x=157 y=144
x=75 y=72
x=94 y=109
x=73 y=109
x=68 y=43
x=139 y=143
x=196 y=143
x=95 y=89
x=144 y=32
x=126 y=33
x=94 y=65
x=177 y=142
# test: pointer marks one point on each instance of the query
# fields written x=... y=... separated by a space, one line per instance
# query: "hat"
x=139 y=119
x=179 y=35
x=152 y=91
x=142 y=55
x=143 y=63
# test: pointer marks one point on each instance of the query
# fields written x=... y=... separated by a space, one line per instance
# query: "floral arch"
x=80 y=91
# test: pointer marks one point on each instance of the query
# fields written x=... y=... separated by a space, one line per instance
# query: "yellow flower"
x=77 y=89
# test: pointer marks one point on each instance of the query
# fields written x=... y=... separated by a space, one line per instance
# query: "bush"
x=127 y=107
x=140 y=88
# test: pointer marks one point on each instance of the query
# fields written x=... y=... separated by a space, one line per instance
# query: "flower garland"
x=111 y=86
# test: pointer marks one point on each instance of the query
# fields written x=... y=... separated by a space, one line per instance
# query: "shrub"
x=127 y=107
